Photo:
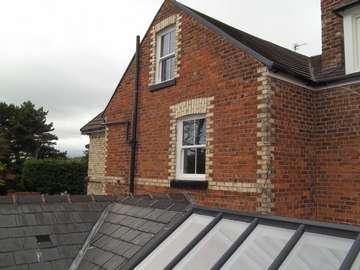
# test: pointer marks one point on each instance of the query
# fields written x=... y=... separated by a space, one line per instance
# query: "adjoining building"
x=236 y=121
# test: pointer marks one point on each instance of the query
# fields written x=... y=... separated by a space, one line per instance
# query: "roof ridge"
x=274 y=56
x=155 y=200
x=247 y=33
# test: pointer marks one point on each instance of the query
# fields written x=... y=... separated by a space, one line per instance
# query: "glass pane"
x=188 y=132
x=172 y=44
x=260 y=249
x=172 y=68
x=356 y=264
x=200 y=129
x=165 y=44
x=164 y=70
x=215 y=243
x=200 y=160
x=357 y=41
x=317 y=251
x=172 y=245
x=189 y=161
x=168 y=69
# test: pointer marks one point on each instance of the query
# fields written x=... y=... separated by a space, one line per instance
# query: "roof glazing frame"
x=300 y=226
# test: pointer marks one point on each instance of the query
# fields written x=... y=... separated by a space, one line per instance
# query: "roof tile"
x=6 y=200
x=29 y=199
x=26 y=257
x=7 y=221
x=6 y=259
x=40 y=266
x=114 y=263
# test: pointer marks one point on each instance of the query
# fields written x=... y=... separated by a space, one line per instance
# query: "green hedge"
x=54 y=176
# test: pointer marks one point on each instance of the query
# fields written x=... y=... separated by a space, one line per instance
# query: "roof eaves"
x=275 y=68
x=351 y=78
x=349 y=4
x=226 y=36
x=96 y=124
x=92 y=131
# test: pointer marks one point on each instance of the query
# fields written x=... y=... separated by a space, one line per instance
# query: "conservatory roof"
x=163 y=231
x=204 y=238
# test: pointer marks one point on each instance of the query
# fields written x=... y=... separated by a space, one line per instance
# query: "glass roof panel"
x=171 y=246
x=356 y=264
x=317 y=251
x=260 y=248
x=213 y=245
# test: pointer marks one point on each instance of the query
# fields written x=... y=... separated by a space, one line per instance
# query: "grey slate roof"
x=37 y=235
x=96 y=124
x=265 y=51
x=277 y=58
x=108 y=232
x=48 y=232
x=124 y=233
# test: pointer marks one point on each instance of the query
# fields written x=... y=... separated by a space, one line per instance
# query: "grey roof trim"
x=341 y=79
x=227 y=37
x=352 y=255
x=323 y=226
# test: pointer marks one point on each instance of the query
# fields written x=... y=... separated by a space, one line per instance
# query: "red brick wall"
x=337 y=141
x=332 y=35
x=119 y=109
x=209 y=67
x=317 y=152
x=316 y=133
x=293 y=150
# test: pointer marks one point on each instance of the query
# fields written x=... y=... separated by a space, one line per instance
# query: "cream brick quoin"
x=172 y=20
x=265 y=146
x=96 y=169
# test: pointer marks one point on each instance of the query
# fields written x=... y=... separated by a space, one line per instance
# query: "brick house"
x=236 y=121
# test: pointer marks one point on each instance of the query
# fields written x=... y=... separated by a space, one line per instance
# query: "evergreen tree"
x=24 y=134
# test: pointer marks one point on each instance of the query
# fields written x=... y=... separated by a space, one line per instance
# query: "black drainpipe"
x=134 y=118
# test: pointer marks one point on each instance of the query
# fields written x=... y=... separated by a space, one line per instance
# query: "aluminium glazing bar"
x=287 y=248
x=194 y=242
x=224 y=258
x=352 y=254
x=154 y=244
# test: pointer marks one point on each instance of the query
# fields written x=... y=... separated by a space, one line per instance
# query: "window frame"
x=352 y=40
x=160 y=59
x=179 y=150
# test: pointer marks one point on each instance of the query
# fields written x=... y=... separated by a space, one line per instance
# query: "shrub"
x=54 y=176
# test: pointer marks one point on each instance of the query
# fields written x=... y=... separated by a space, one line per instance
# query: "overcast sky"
x=69 y=55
